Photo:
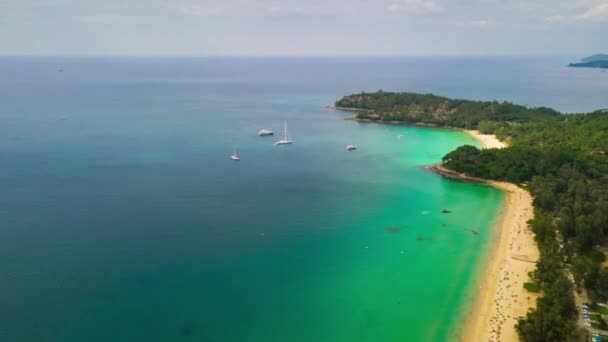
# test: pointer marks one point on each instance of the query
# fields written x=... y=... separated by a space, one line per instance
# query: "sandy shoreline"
x=486 y=140
x=500 y=298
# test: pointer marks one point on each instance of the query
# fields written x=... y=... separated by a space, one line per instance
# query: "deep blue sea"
x=122 y=217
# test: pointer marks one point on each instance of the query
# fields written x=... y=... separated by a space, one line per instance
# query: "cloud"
x=482 y=23
x=477 y=24
x=598 y=12
x=248 y=8
x=110 y=19
x=200 y=11
x=415 y=6
x=557 y=19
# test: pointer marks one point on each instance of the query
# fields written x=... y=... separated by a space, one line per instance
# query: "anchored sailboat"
x=285 y=139
x=235 y=155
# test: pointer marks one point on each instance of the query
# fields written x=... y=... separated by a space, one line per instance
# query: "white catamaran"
x=264 y=132
x=235 y=155
x=285 y=139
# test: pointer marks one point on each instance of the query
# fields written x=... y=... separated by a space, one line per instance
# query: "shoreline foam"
x=500 y=296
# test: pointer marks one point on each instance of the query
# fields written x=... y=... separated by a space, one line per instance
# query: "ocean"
x=124 y=219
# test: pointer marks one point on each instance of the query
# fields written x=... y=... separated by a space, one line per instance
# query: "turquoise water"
x=124 y=220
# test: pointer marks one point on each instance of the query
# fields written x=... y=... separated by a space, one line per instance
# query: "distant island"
x=595 y=61
x=561 y=159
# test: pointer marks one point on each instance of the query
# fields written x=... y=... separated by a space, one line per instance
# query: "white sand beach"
x=501 y=298
x=486 y=140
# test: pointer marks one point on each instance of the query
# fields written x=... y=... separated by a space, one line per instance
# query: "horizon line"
x=283 y=55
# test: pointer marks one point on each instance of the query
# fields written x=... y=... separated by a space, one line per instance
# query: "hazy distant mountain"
x=595 y=61
x=598 y=57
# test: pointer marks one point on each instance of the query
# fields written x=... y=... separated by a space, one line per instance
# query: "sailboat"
x=285 y=139
x=235 y=155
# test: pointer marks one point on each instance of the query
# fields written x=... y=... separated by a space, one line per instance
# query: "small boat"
x=285 y=140
x=235 y=155
x=351 y=147
x=445 y=211
x=264 y=132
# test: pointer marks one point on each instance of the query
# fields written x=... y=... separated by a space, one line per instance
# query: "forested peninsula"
x=562 y=159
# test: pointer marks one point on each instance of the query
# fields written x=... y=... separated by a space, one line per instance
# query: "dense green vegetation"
x=552 y=320
x=561 y=159
x=437 y=110
x=594 y=307
x=532 y=287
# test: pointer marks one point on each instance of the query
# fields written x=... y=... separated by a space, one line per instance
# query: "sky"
x=303 y=27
